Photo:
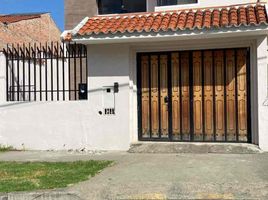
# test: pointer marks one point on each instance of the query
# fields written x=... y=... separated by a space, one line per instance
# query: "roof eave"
x=171 y=35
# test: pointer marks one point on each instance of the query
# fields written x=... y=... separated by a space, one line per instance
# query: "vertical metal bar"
x=180 y=82
x=75 y=84
x=191 y=95
x=150 y=96
x=170 y=115
x=51 y=66
x=69 y=66
x=203 y=95
x=40 y=71
x=7 y=73
x=85 y=51
x=57 y=54
x=159 y=98
x=214 y=97
x=63 y=71
x=34 y=54
x=12 y=73
x=18 y=71
x=139 y=92
x=81 y=64
x=46 y=85
x=23 y=73
x=29 y=71
x=249 y=97
x=236 y=98
x=225 y=93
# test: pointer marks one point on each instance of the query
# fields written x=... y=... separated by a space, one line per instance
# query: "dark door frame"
x=170 y=139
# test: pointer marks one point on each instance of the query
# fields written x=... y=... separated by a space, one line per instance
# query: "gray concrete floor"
x=166 y=176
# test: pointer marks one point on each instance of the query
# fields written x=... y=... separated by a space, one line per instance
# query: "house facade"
x=158 y=70
x=191 y=71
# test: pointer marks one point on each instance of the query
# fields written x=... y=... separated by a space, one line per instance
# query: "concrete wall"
x=77 y=10
x=77 y=125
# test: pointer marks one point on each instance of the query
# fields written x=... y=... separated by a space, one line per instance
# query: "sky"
x=55 y=7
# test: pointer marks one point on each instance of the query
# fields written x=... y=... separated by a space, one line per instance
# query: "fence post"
x=3 y=91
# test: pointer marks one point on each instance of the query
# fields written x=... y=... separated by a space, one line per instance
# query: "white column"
x=2 y=77
x=262 y=64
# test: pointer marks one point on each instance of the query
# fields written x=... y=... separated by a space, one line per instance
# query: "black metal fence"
x=50 y=72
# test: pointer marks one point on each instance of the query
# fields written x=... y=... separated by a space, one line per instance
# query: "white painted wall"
x=262 y=61
x=76 y=125
x=2 y=77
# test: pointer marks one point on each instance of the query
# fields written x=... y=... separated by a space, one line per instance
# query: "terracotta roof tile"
x=246 y=15
x=17 y=17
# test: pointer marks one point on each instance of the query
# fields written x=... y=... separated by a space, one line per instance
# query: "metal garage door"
x=194 y=95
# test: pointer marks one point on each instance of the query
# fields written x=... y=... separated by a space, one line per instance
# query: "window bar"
x=34 y=54
x=63 y=69
x=29 y=70
x=57 y=54
x=236 y=98
x=40 y=69
x=225 y=93
x=51 y=66
x=75 y=84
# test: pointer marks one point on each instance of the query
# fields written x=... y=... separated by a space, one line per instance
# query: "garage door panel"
x=185 y=87
x=145 y=96
x=163 y=95
x=197 y=96
x=208 y=96
x=219 y=94
x=194 y=95
x=176 y=102
x=230 y=95
x=154 y=97
x=242 y=93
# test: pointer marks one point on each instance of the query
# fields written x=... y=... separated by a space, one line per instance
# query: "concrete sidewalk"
x=166 y=176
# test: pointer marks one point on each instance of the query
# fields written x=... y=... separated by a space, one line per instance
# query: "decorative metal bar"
x=63 y=69
x=75 y=83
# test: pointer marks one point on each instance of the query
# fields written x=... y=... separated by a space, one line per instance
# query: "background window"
x=121 y=6
x=174 y=2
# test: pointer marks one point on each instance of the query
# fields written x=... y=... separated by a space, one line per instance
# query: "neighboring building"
x=28 y=28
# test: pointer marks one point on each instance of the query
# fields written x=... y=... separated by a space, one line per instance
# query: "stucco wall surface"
x=75 y=125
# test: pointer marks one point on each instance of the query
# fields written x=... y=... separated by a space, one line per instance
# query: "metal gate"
x=194 y=96
x=49 y=72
